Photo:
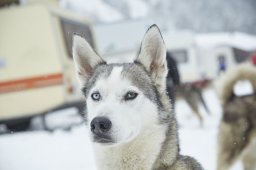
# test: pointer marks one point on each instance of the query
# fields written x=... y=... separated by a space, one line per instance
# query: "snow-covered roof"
x=237 y=39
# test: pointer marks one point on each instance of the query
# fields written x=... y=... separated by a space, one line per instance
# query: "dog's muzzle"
x=100 y=127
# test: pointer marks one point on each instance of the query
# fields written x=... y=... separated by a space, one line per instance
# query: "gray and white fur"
x=132 y=124
x=237 y=130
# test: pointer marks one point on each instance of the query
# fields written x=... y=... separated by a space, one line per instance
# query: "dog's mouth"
x=104 y=139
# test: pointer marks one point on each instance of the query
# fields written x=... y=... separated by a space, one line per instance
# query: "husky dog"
x=131 y=121
x=190 y=92
x=237 y=131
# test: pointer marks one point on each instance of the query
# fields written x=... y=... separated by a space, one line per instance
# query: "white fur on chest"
x=140 y=154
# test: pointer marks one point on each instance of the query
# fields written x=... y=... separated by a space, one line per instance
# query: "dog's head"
x=122 y=100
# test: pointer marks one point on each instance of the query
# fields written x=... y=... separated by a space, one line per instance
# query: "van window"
x=240 y=55
x=69 y=28
x=180 y=56
x=8 y=2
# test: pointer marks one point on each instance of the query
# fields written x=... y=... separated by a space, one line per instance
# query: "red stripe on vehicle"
x=31 y=83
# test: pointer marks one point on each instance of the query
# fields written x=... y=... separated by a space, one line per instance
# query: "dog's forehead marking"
x=115 y=74
x=113 y=82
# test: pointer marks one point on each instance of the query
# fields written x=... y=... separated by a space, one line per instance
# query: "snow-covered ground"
x=66 y=150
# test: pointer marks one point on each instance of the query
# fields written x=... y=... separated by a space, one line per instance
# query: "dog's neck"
x=141 y=153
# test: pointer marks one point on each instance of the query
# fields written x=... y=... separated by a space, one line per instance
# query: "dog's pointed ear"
x=85 y=58
x=152 y=56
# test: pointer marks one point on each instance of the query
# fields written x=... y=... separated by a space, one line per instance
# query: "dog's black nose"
x=100 y=125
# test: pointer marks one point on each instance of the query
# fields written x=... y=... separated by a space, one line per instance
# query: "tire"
x=19 y=125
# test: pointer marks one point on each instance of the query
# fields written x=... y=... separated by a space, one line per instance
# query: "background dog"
x=191 y=92
x=237 y=131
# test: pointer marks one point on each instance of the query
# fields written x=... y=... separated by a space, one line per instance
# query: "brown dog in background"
x=237 y=131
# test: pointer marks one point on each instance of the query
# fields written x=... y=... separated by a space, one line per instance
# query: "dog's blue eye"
x=96 y=96
x=130 y=95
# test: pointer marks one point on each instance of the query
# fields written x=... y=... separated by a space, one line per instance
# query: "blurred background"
x=41 y=108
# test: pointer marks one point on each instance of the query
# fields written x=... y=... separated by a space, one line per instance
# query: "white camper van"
x=223 y=49
x=36 y=68
x=199 y=57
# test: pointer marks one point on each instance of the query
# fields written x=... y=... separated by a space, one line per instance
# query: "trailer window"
x=240 y=55
x=69 y=28
x=180 y=56
x=8 y=2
